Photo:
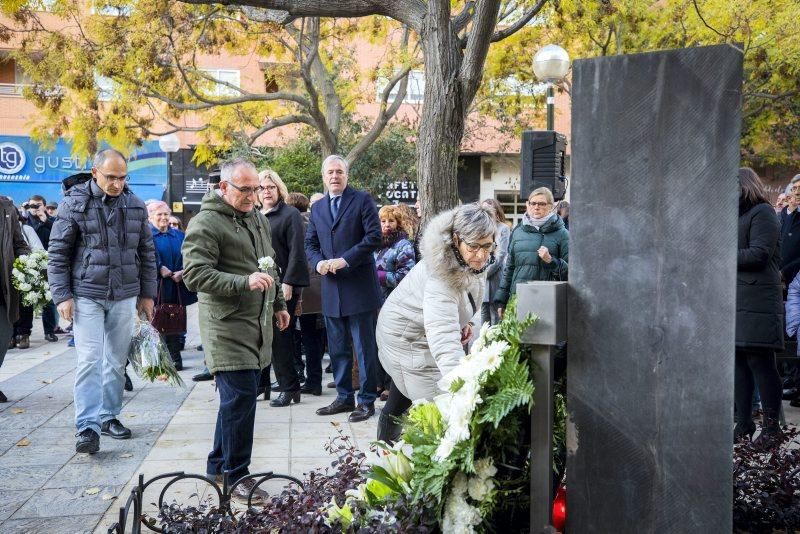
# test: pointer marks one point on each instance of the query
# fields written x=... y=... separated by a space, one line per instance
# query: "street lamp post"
x=170 y=144
x=550 y=65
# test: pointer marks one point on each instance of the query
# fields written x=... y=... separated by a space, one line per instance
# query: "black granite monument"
x=655 y=142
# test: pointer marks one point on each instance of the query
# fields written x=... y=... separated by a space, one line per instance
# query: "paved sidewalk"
x=48 y=488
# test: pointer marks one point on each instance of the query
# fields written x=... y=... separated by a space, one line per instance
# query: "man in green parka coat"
x=221 y=253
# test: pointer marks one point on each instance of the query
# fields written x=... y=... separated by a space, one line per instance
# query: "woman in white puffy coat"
x=428 y=319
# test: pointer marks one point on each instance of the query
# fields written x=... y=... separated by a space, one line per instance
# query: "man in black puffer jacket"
x=101 y=270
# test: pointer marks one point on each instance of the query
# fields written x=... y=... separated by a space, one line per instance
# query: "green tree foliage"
x=765 y=30
x=120 y=79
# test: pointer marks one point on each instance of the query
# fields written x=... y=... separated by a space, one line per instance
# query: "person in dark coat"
x=759 y=309
x=12 y=245
x=312 y=325
x=343 y=232
x=286 y=225
x=42 y=223
x=102 y=271
x=790 y=233
x=538 y=248
x=169 y=264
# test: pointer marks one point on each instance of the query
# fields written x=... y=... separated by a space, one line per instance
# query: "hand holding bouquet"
x=29 y=277
x=149 y=356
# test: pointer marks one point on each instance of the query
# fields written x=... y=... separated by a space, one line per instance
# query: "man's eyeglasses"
x=538 y=204
x=247 y=191
x=121 y=179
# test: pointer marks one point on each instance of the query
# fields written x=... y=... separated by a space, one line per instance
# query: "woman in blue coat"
x=169 y=263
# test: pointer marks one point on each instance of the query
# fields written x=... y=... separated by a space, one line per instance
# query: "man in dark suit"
x=343 y=232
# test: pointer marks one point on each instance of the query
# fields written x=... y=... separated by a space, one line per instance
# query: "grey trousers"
x=6 y=331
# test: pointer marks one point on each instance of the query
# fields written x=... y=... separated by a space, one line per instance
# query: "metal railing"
x=131 y=513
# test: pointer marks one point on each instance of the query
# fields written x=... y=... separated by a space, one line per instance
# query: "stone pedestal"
x=655 y=140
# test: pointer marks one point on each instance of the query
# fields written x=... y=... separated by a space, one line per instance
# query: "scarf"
x=392 y=237
x=463 y=263
x=537 y=223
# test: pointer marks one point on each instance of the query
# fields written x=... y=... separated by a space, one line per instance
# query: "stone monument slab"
x=653 y=232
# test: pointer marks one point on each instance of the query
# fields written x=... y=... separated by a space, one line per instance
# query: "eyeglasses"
x=538 y=204
x=473 y=248
x=246 y=191
x=270 y=188
x=120 y=179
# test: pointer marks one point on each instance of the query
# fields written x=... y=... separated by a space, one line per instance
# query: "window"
x=113 y=8
x=106 y=87
x=225 y=76
x=13 y=78
x=513 y=205
x=511 y=86
x=415 y=92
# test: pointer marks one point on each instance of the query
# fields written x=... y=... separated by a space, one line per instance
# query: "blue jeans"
x=361 y=329
x=103 y=330
x=236 y=419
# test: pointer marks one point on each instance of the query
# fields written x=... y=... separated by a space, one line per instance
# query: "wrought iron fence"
x=131 y=513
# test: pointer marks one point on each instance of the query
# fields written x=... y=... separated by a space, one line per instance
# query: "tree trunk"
x=442 y=125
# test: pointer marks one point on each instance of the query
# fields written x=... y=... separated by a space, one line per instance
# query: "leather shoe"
x=362 y=413
x=791 y=393
x=202 y=377
x=51 y=337
x=12 y=343
x=128 y=384
x=242 y=491
x=308 y=389
x=88 y=441
x=24 y=342
x=331 y=384
x=114 y=429
x=337 y=406
x=285 y=399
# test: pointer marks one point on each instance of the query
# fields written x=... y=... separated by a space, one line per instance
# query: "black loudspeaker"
x=543 y=162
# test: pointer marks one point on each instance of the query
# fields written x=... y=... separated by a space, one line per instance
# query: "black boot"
x=178 y=361
x=389 y=429
x=743 y=429
x=771 y=433
x=285 y=399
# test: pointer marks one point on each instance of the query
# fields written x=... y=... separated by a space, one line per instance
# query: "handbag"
x=169 y=319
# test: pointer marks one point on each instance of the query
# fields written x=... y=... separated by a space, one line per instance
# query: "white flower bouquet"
x=451 y=446
x=29 y=277
x=149 y=356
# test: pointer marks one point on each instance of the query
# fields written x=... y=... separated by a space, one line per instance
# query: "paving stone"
x=11 y=501
x=69 y=502
x=114 y=472
x=72 y=525
x=24 y=477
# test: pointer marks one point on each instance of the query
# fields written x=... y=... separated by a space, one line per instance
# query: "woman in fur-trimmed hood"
x=426 y=321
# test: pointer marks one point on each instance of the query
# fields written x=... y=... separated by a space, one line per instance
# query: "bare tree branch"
x=384 y=115
x=477 y=47
x=514 y=28
x=409 y=12
x=277 y=123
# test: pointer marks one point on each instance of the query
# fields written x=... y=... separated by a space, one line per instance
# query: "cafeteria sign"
x=404 y=191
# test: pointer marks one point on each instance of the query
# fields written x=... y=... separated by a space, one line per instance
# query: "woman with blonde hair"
x=538 y=248
x=286 y=225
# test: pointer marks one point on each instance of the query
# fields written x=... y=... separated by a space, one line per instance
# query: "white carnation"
x=266 y=263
